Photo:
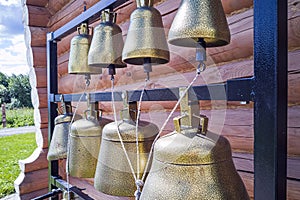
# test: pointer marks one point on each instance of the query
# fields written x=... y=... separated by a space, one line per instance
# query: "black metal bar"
x=52 y=107
x=270 y=110
x=233 y=90
x=91 y=15
x=49 y=194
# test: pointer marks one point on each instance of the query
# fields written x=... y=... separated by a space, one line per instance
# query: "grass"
x=18 y=117
x=12 y=149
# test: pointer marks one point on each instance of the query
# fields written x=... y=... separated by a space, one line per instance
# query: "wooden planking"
x=33 y=181
x=44 y=132
x=54 y=6
x=34 y=194
x=40 y=163
x=38 y=16
x=43 y=98
x=39 y=56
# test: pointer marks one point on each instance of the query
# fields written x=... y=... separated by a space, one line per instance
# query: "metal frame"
x=267 y=88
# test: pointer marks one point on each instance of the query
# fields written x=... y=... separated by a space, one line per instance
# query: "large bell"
x=107 y=43
x=113 y=175
x=59 y=143
x=85 y=139
x=191 y=163
x=199 y=20
x=78 y=59
x=146 y=42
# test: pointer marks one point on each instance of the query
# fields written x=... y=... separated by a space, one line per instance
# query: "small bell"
x=107 y=43
x=113 y=175
x=59 y=143
x=146 y=42
x=200 y=24
x=78 y=60
x=85 y=139
x=191 y=163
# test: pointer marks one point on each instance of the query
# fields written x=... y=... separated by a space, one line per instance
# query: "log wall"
x=235 y=60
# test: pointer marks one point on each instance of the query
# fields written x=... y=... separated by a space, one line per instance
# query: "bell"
x=85 y=139
x=199 y=20
x=145 y=43
x=78 y=59
x=193 y=163
x=113 y=175
x=59 y=143
x=107 y=43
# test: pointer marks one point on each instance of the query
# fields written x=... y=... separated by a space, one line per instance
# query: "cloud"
x=12 y=46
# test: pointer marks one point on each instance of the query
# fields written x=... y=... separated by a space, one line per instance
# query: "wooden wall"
x=231 y=119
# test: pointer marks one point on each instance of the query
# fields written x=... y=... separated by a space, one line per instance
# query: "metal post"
x=270 y=90
x=52 y=107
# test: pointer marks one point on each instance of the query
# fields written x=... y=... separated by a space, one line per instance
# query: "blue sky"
x=12 y=46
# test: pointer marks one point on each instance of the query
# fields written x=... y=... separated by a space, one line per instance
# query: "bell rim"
x=192 y=41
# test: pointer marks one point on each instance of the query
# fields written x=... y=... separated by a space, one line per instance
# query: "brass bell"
x=85 y=139
x=78 y=59
x=146 y=42
x=191 y=163
x=199 y=19
x=107 y=43
x=113 y=175
x=59 y=143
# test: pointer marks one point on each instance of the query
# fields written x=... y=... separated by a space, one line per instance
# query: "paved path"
x=13 y=131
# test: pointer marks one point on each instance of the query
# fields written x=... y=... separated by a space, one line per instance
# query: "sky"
x=12 y=46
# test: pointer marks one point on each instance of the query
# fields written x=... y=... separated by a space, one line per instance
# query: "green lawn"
x=12 y=149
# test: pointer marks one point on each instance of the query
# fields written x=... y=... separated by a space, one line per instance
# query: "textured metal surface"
x=113 y=175
x=199 y=19
x=107 y=43
x=270 y=88
x=78 y=60
x=85 y=140
x=191 y=166
x=145 y=38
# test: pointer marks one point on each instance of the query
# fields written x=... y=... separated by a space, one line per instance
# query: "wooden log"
x=54 y=6
x=44 y=132
x=33 y=164
x=42 y=96
x=34 y=181
x=41 y=77
x=39 y=56
x=37 y=36
x=41 y=3
x=36 y=16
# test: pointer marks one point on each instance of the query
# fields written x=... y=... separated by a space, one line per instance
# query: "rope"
x=136 y=131
x=165 y=123
x=118 y=130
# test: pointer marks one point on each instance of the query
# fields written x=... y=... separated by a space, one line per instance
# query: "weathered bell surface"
x=85 y=139
x=190 y=165
x=78 y=59
x=113 y=175
x=199 y=19
x=146 y=37
x=107 y=43
x=59 y=143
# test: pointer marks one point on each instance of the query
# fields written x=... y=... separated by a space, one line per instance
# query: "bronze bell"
x=146 y=42
x=85 y=139
x=199 y=19
x=59 y=143
x=107 y=43
x=113 y=175
x=78 y=59
x=191 y=163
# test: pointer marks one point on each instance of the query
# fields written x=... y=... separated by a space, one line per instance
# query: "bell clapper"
x=201 y=55
x=112 y=71
x=147 y=67
x=87 y=79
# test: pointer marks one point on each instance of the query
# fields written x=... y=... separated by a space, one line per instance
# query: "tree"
x=4 y=94
x=19 y=89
